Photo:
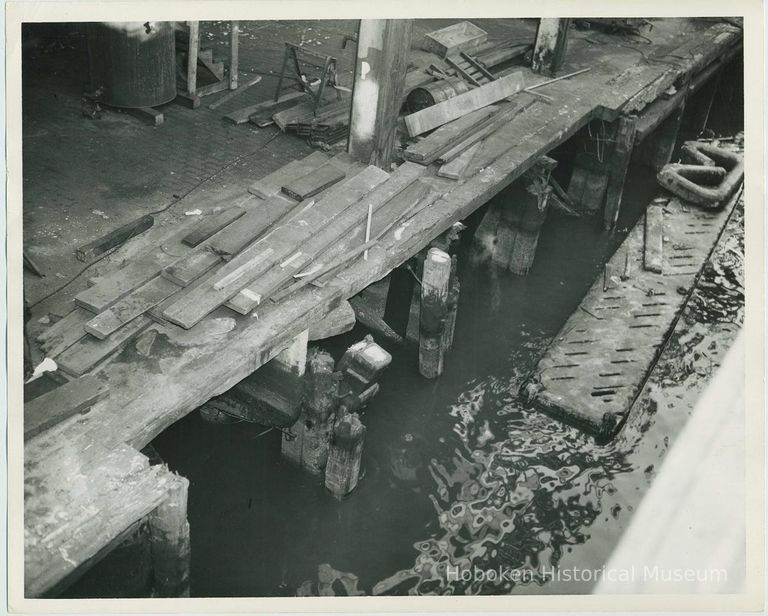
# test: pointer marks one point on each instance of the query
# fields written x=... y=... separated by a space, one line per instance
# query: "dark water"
x=455 y=470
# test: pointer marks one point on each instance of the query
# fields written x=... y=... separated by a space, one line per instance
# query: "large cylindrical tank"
x=132 y=64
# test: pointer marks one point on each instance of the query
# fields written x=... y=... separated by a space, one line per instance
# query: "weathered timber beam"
x=379 y=80
x=551 y=44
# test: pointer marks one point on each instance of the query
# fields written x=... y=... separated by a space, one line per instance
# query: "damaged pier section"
x=224 y=302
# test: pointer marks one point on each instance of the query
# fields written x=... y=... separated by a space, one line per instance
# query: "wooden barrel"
x=435 y=92
x=132 y=64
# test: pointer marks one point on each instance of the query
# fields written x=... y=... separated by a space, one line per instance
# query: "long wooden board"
x=241 y=116
x=395 y=187
x=270 y=185
x=285 y=242
x=131 y=306
x=211 y=225
x=654 y=239
x=315 y=181
x=69 y=399
x=64 y=333
x=429 y=149
x=88 y=352
x=454 y=170
x=453 y=108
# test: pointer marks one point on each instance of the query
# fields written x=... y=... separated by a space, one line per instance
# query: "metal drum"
x=435 y=92
x=132 y=64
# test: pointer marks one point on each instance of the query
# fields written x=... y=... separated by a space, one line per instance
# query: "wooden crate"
x=463 y=36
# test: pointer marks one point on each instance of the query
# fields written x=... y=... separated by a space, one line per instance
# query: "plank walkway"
x=600 y=359
x=147 y=392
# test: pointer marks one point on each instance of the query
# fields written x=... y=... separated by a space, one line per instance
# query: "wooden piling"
x=657 y=149
x=618 y=164
x=322 y=399
x=343 y=469
x=382 y=59
x=452 y=306
x=699 y=106
x=434 y=299
x=509 y=233
x=551 y=44
x=169 y=542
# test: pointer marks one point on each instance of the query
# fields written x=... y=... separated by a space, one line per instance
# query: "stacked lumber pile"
x=302 y=224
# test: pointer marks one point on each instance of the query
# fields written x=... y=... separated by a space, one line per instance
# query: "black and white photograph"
x=322 y=307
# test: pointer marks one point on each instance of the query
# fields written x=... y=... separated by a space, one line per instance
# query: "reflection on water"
x=515 y=503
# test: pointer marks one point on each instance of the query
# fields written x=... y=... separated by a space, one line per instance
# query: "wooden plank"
x=463 y=35
x=314 y=182
x=69 y=399
x=234 y=239
x=493 y=124
x=455 y=169
x=241 y=116
x=401 y=187
x=212 y=224
x=284 y=242
x=453 y=108
x=336 y=322
x=113 y=239
x=131 y=306
x=653 y=254
x=262 y=116
x=189 y=268
x=271 y=184
x=89 y=352
x=64 y=333
x=429 y=149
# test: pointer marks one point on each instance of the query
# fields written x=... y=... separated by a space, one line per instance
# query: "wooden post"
x=452 y=305
x=234 y=41
x=169 y=542
x=657 y=149
x=343 y=470
x=699 y=106
x=618 y=164
x=316 y=421
x=509 y=232
x=551 y=44
x=434 y=298
x=382 y=61
x=194 y=44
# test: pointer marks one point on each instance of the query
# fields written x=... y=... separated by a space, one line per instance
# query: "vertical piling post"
x=294 y=358
x=194 y=44
x=316 y=420
x=434 y=298
x=452 y=306
x=699 y=106
x=509 y=232
x=343 y=469
x=169 y=541
x=234 y=42
x=657 y=149
x=618 y=164
x=551 y=44
x=379 y=79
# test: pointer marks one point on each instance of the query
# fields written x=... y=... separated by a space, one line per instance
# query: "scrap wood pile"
x=302 y=224
x=466 y=119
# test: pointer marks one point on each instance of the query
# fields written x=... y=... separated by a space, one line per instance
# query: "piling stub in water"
x=343 y=469
x=308 y=440
x=434 y=306
x=169 y=541
x=509 y=232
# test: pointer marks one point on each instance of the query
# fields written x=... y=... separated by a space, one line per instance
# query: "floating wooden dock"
x=600 y=359
x=158 y=372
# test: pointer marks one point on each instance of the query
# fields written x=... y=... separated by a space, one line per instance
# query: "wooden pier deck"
x=159 y=377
